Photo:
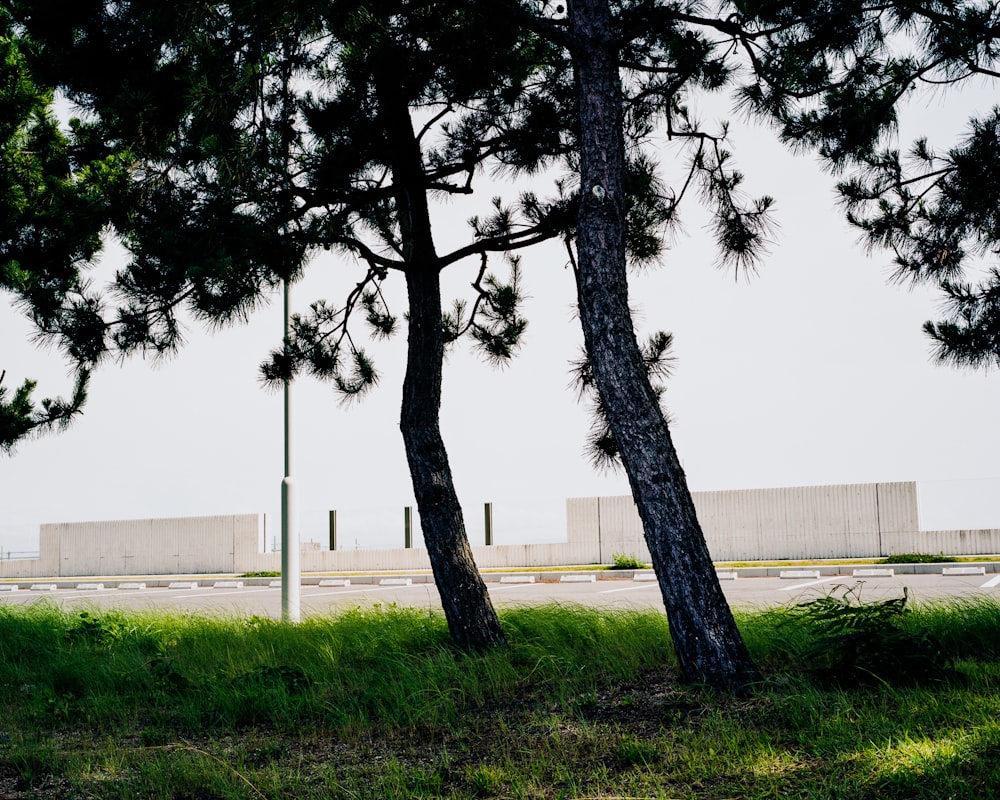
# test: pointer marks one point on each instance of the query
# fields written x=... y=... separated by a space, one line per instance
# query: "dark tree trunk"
x=708 y=645
x=472 y=620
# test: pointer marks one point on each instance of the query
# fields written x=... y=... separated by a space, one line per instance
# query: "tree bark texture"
x=707 y=643
x=472 y=620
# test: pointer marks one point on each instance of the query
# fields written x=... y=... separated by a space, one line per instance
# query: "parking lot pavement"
x=744 y=593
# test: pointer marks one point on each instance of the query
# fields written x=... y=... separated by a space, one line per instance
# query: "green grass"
x=626 y=561
x=918 y=558
x=376 y=703
x=904 y=558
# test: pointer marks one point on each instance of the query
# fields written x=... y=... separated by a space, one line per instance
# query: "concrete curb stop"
x=786 y=574
x=963 y=570
x=875 y=572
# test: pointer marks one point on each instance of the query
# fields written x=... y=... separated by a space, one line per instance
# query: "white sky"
x=815 y=371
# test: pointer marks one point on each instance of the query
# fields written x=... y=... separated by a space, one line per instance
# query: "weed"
x=626 y=561
x=154 y=736
x=636 y=752
x=857 y=643
x=486 y=780
x=917 y=558
x=33 y=762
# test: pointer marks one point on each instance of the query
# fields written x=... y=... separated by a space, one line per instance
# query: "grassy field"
x=857 y=702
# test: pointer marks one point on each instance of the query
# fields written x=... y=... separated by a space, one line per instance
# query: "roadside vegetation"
x=926 y=558
x=627 y=561
x=903 y=558
x=859 y=700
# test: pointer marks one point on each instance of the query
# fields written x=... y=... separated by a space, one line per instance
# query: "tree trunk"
x=707 y=643
x=472 y=620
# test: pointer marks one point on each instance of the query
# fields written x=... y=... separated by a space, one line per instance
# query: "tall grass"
x=362 y=667
x=376 y=703
x=956 y=629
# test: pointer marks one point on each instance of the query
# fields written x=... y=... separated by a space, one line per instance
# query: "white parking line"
x=991 y=583
x=811 y=583
x=652 y=585
x=498 y=587
x=353 y=591
x=216 y=593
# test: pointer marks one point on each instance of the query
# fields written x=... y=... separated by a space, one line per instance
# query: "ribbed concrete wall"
x=958 y=542
x=140 y=547
x=897 y=517
x=230 y=544
x=843 y=521
x=854 y=520
x=798 y=522
x=507 y=556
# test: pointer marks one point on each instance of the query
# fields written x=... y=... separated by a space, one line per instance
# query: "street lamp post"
x=291 y=571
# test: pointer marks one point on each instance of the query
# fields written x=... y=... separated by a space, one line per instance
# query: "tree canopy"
x=54 y=207
x=836 y=83
x=259 y=135
x=262 y=136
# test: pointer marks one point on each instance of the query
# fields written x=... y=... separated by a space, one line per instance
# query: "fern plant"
x=856 y=643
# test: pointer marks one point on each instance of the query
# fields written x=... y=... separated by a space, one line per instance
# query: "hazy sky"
x=813 y=371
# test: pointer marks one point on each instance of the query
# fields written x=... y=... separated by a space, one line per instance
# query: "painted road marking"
x=992 y=582
x=499 y=588
x=354 y=591
x=175 y=593
x=630 y=588
x=810 y=583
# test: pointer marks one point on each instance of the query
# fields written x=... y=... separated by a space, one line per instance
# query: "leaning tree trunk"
x=472 y=620
x=708 y=645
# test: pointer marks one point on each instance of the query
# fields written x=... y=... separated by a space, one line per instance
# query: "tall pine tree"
x=264 y=134
x=635 y=64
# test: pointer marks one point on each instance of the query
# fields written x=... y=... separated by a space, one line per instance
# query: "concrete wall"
x=854 y=520
x=231 y=544
x=140 y=547
x=844 y=521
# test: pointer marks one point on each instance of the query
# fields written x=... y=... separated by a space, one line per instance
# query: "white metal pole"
x=291 y=571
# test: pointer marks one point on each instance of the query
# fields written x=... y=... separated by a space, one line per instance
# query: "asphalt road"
x=265 y=600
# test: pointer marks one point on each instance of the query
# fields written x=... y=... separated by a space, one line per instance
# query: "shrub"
x=623 y=561
x=855 y=643
x=917 y=558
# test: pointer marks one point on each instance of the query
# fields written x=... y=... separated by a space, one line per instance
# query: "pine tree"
x=633 y=64
x=937 y=212
x=263 y=135
x=54 y=202
x=830 y=77
x=707 y=643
